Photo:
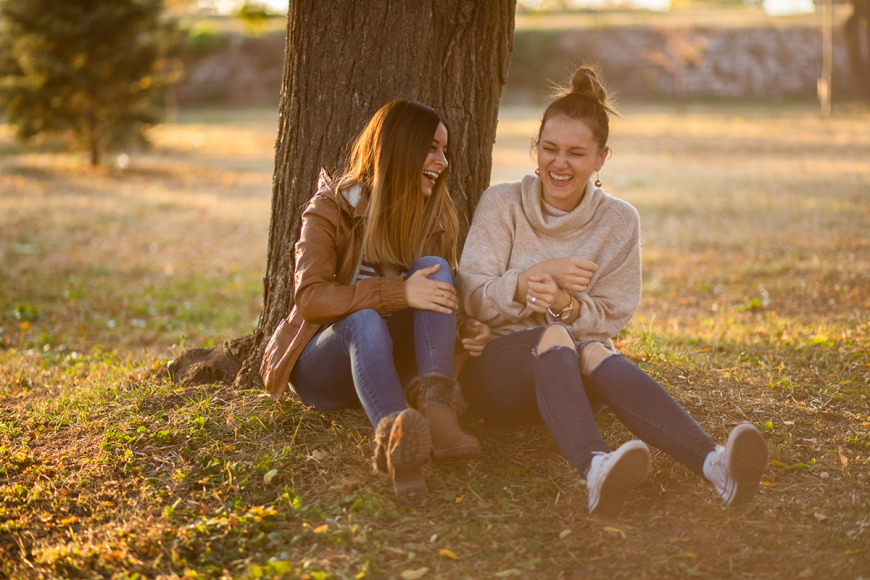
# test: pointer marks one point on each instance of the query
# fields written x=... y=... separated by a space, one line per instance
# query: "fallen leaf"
x=448 y=553
x=508 y=573
x=414 y=574
x=531 y=564
x=614 y=531
x=768 y=484
x=68 y=521
x=107 y=504
x=690 y=555
x=24 y=325
x=459 y=499
x=777 y=463
x=844 y=461
x=320 y=529
x=853 y=552
x=564 y=533
x=346 y=488
x=270 y=476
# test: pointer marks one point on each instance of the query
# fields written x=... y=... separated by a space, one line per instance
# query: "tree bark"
x=856 y=27
x=343 y=65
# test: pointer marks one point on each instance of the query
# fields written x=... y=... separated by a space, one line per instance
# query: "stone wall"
x=761 y=62
x=238 y=70
x=748 y=63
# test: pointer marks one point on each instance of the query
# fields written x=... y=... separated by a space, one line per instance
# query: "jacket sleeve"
x=486 y=284
x=319 y=296
x=613 y=293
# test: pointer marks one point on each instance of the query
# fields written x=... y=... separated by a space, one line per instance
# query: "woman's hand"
x=571 y=274
x=425 y=294
x=542 y=292
x=475 y=336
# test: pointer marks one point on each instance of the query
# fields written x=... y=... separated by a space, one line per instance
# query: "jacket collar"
x=354 y=197
x=350 y=197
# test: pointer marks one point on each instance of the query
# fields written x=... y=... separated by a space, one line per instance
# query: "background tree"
x=857 y=28
x=89 y=70
x=342 y=65
x=682 y=49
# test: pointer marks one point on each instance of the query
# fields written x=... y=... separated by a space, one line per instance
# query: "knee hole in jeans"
x=555 y=335
x=593 y=355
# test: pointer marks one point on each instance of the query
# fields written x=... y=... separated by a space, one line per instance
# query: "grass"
x=755 y=308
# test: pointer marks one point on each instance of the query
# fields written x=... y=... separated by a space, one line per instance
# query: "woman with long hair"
x=552 y=265
x=374 y=320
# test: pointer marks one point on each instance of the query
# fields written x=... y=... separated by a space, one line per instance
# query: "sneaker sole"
x=625 y=475
x=410 y=444
x=746 y=452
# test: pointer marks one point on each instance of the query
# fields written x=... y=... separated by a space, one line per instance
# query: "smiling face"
x=436 y=160
x=568 y=155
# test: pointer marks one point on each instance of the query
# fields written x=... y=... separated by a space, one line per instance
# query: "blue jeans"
x=366 y=359
x=511 y=384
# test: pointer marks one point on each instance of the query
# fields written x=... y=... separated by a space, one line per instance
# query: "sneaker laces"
x=716 y=472
x=599 y=458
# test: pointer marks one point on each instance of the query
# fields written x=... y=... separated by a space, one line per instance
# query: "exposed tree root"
x=203 y=366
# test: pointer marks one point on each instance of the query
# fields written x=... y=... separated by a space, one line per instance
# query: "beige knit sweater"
x=513 y=230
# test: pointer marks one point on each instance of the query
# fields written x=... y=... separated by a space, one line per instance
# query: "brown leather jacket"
x=328 y=257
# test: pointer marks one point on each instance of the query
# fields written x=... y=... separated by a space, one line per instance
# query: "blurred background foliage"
x=92 y=71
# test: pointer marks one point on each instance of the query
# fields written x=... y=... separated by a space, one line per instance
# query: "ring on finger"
x=534 y=299
x=442 y=293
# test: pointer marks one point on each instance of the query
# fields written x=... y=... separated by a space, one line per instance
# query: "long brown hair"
x=387 y=159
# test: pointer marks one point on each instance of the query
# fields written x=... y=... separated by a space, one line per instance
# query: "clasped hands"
x=548 y=284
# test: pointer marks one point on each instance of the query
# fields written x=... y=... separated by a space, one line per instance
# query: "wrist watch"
x=565 y=312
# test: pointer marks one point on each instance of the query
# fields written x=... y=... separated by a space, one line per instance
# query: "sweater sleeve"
x=486 y=284
x=613 y=294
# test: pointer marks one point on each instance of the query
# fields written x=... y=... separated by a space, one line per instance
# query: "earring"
x=598 y=180
x=537 y=171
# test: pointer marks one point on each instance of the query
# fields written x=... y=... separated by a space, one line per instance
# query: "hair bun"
x=586 y=83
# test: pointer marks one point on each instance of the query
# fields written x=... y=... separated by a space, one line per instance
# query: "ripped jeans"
x=511 y=384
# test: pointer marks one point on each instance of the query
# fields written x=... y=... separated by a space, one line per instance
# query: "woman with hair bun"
x=552 y=265
x=374 y=320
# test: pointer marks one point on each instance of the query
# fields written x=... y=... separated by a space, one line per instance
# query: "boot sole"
x=626 y=474
x=746 y=451
x=410 y=444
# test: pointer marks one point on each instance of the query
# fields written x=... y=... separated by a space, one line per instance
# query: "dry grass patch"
x=756 y=291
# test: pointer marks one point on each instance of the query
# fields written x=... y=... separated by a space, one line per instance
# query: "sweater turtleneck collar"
x=558 y=225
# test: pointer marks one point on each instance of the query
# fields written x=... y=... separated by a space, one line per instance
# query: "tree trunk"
x=343 y=65
x=95 y=152
x=856 y=27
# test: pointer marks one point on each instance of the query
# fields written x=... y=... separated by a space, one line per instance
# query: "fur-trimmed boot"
x=439 y=399
x=402 y=446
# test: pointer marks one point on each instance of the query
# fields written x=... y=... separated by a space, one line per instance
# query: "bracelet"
x=458 y=328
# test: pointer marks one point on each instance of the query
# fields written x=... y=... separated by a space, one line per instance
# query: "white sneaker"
x=612 y=475
x=735 y=470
